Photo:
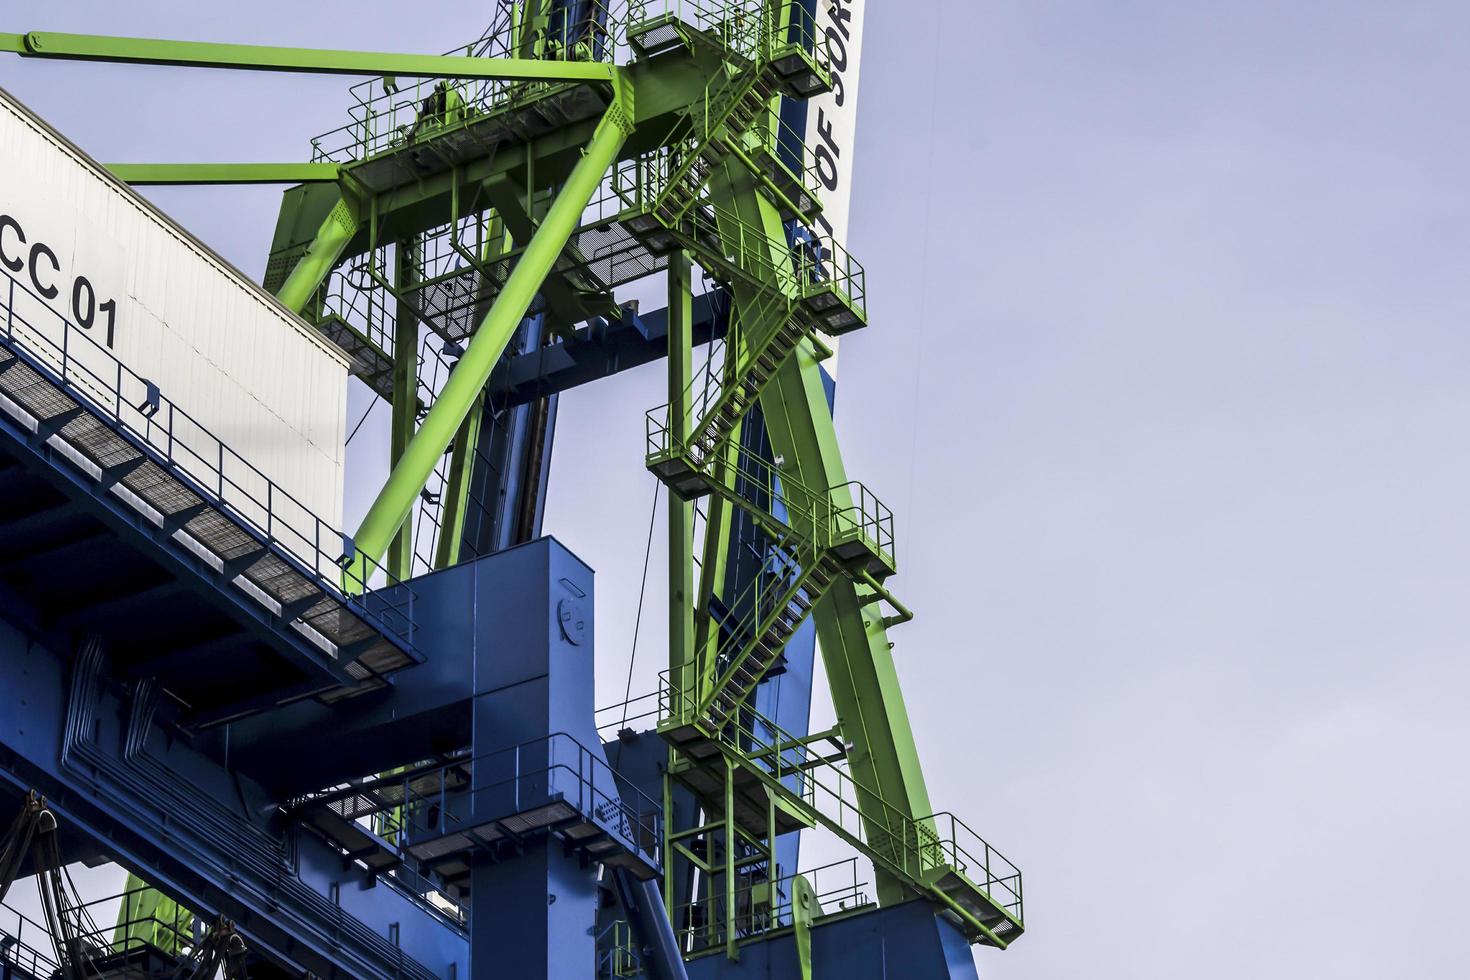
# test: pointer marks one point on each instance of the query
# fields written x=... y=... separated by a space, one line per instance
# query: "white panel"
x=216 y=345
x=831 y=122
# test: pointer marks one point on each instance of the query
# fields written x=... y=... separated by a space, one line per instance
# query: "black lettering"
x=37 y=250
x=85 y=316
x=839 y=94
x=837 y=49
x=843 y=16
x=826 y=168
x=110 y=308
x=6 y=221
x=824 y=130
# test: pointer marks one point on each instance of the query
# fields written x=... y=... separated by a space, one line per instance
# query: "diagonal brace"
x=395 y=501
x=312 y=269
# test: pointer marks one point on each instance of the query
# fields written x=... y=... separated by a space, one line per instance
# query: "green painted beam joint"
x=255 y=57
x=225 y=173
x=312 y=269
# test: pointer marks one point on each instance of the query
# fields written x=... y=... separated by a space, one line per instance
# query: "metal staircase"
x=791 y=292
x=781 y=599
x=729 y=113
x=815 y=537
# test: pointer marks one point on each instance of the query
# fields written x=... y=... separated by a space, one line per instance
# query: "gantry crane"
x=465 y=239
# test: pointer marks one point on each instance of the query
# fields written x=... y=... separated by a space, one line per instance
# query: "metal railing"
x=918 y=849
x=857 y=513
x=170 y=437
x=552 y=768
x=956 y=846
x=25 y=944
x=751 y=28
x=389 y=111
x=794 y=168
x=825 y=517
x=825 y=269
x=765 y=906
x=138 y=917
x=29 y=945
x=616 y=952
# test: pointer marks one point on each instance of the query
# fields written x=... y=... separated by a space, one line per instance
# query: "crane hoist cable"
x=15 y=845
x=220 y=953
x=34 y=833
x=638 y=619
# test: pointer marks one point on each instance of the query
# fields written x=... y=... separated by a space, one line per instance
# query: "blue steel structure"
x=460 y=811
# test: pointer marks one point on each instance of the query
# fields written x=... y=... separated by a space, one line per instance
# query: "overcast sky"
x=1167 y=382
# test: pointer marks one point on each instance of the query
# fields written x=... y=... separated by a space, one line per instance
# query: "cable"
x=361 y=421
x=638 y=619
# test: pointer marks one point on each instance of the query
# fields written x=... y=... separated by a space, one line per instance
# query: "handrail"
x=426 y=814
x=916 y=847
x=825 y=517
x=37 y=961
x=749 y=920
x=166 y=433
x=392 y=111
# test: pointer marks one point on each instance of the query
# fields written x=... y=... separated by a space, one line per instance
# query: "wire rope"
x=638 y=619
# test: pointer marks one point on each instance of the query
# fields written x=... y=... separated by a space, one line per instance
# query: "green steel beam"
x=226 y=173
x=681 y=513
x=256 y=57
x=804 y=908
x=856 y=652
x=732 y=948
x=457 y=487
x=395 y=500
x=510 y=200
x=405 y=392
x=321 y=256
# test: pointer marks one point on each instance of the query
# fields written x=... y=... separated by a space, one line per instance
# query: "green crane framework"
x=470 y=185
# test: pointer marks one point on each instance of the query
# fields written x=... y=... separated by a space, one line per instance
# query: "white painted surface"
x=219 y=347
x=831 y=123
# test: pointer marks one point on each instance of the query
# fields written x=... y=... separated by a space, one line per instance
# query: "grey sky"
x=1167 y=382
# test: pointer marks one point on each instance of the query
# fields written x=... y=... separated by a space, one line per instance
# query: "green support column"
x=732 y=950
x=714 y=560
x=854 y=642
x=457 y=487
x=804 y=908
x=320 y=258
x=681 y=514
x=855 y=648
x=396 y=499
x=405 y=392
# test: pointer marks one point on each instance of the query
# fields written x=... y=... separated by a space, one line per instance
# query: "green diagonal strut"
x=321 y=256
x=256 y=57
x=395 y=501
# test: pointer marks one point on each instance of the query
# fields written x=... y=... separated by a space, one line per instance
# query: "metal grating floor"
x=203 y=526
